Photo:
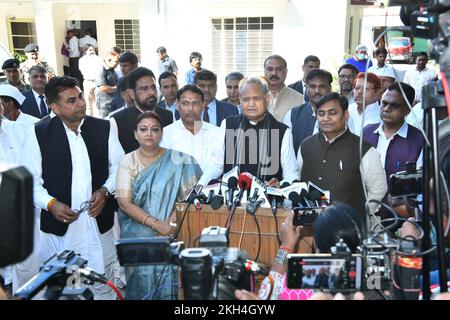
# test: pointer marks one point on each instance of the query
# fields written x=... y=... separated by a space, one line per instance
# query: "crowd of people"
x=113 y=137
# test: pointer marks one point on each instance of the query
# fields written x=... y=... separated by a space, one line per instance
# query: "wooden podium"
x=207 y=217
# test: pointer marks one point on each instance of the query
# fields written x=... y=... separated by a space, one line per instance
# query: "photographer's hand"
x=289 y=234
x=245 y=295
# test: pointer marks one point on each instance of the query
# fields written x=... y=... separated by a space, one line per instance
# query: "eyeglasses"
x=346 y=77
x=83 y=207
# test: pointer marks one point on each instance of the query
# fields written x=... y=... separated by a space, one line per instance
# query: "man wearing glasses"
x=396 y=141
x=346 y=76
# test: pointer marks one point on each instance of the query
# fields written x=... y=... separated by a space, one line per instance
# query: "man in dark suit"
x=35 y=103
x=142 y=89
x=215 y=111
x=302 y=119
x=311 y=62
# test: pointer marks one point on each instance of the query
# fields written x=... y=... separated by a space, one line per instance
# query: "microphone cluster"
x=246 y=189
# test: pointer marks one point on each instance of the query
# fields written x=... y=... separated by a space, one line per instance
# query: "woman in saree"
x=149 y=182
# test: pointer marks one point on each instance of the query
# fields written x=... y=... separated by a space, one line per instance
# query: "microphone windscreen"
x=232 y=183
x=245 y=181
x=213 y=181
x=285 y=184
x=294 y=197
x=216 y=202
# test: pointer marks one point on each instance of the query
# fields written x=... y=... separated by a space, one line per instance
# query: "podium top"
x=281 y=212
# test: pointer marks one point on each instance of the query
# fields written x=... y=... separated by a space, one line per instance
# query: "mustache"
x=274 y=77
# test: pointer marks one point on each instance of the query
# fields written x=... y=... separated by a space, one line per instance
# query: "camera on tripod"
x=211 y=272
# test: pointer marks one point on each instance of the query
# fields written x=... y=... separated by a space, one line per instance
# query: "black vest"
x=126 y=121
x=303 y=123
x=335 y=167
x=258 y=162
x=57 y=167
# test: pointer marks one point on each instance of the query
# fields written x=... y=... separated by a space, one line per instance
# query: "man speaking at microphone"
x=255 y=141
x=331 y=160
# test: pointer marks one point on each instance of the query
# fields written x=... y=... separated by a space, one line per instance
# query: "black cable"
x=397 y=219
x=276 y=228
x=233 y=210
x=159 y=281
x=259 y=237
x=175 y=236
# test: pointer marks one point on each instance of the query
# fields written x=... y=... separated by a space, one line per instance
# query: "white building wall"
x=19 y=10
x=301 y=27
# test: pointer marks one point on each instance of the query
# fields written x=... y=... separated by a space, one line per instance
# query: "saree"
x=155 y=189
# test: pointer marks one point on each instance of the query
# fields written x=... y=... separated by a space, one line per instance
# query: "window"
x=241 y=44
x=21 y=33
x=128 y=36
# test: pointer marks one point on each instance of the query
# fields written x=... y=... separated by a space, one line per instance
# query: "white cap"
x=385 y=72
x=8 y=90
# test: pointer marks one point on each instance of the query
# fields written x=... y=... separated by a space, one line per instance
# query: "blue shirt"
x=172 y=108
x=189 y=77
x=360 y=65
x=212 y=112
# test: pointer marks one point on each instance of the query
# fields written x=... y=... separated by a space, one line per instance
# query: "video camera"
x=63 y=275
x=406 y=183
x=211 y=272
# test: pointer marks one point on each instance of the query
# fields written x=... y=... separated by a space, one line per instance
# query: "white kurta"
x=12 y=138
x=82 y=235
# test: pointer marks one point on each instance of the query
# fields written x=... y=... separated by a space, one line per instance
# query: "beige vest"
x=286 y=99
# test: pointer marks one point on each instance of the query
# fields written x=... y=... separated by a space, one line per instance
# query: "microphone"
x=245 y=183
x=213 y=181
x=214 y=187
x=284 y=185
x=232 y=185
x=275 y=196
x=305 y=201
x=194 y=195
x=216 y=201
x=209 y=197
x=252 y=205
x=315 y=195
x=295 y=199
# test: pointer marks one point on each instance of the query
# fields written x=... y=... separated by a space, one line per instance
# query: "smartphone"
x=324 y=272
x=305 y=216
